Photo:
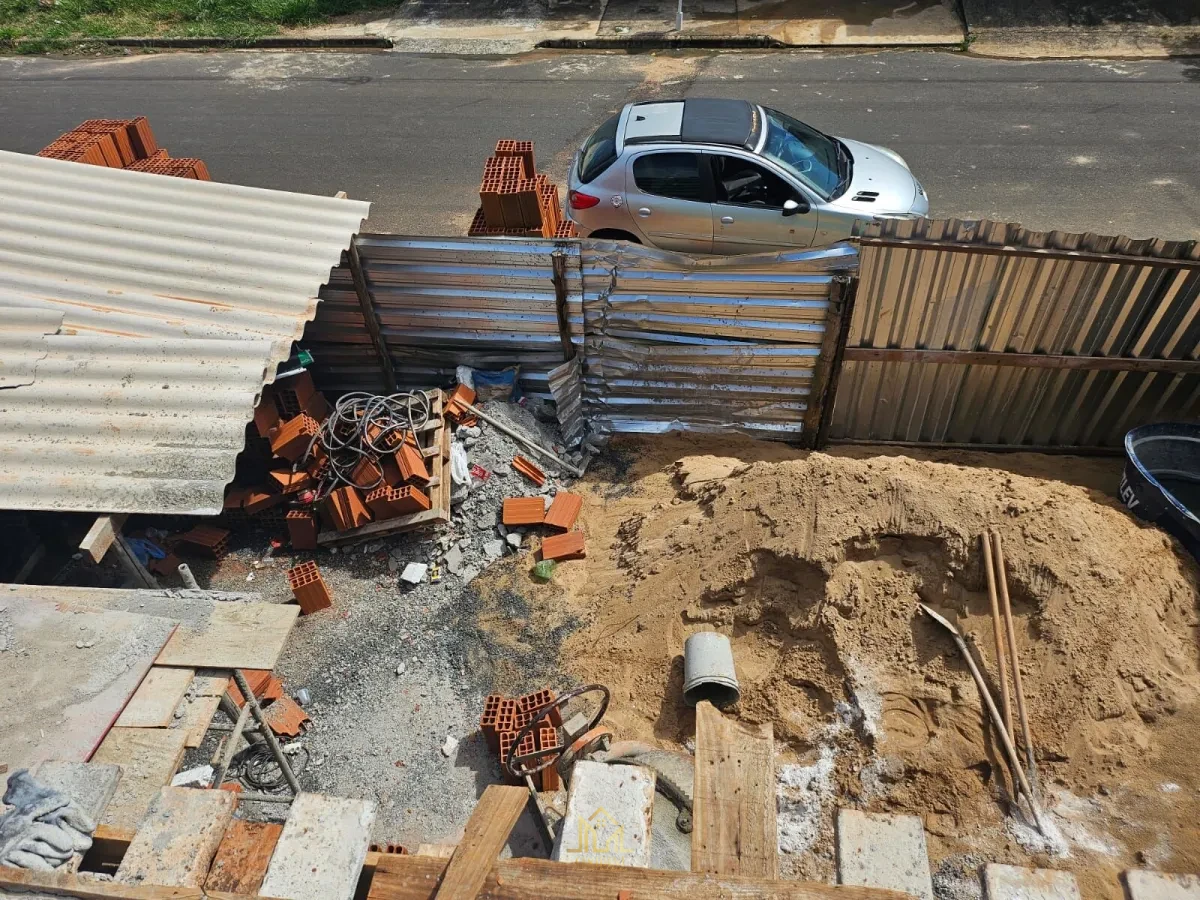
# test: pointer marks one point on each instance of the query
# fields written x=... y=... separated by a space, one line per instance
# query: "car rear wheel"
x=614 y=234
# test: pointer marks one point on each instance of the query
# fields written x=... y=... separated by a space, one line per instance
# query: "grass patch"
x=41 y=26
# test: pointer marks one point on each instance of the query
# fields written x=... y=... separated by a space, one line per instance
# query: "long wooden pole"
x=1005 y=740
x=997 y=631
x=1026 y=733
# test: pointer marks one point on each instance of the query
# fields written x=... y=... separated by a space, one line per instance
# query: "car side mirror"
x=795 y=207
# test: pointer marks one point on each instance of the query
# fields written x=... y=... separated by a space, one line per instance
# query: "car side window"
x=674 y=175
x=739 y=182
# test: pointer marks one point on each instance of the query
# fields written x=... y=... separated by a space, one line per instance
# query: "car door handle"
x=726 y=220
x=644 y=212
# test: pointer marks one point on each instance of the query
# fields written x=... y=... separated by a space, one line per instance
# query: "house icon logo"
x=601 y=835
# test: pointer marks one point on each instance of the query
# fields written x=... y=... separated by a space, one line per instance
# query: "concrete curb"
x=640 y=42
x=357 y=42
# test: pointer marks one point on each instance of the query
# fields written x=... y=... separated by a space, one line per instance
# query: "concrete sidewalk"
x=516 y=26
x=1027 y=29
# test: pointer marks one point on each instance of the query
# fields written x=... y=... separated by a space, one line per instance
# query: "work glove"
x=43 y=829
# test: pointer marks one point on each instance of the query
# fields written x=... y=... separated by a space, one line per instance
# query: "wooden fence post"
x=371 y=316
x=834 y=371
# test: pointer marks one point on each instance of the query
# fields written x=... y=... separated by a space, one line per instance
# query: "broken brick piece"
x=344 y=509
x=292 y=438
x=286 y=717
x=487 y=721
x=266 y=414
x=564 y=510
x=529 y=470
x=285 y=481
x=506 y=715
x=564 y=546
x=367 y=474
x=412 y=463
x=524 y=511
x=265 y=686
x=548 y=740
x=539 y=700
x=259 y=499
x=455 y=409
x=166 y=566
x=302 y=529
x=389 y=502
x=205 y=540
x=308 y=587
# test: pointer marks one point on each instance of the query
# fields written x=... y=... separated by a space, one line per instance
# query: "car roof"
x=696 y=120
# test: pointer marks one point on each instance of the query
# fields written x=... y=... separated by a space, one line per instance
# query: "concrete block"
x=883 y=851
x=609 y=809
x=1017 y=883
x=90 y=785
x=1143 y=885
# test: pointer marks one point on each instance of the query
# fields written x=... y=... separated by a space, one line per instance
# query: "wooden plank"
x=148 y=757
x=321 y=850
x=170 y=604
x=828 y=401
x=370 y=316
x=154 y=703
x=89 y=785
x=734 y=829
x=176 y=841
x=129 y=561
x=77 y=669
x=487 y=832
x=55 y=884
x=198 y=715
x=416 y=878
x=438 y=851
x=1022 y=360
x=824 y=365
x=234 y=636
x=241 y=861
x=101 y=535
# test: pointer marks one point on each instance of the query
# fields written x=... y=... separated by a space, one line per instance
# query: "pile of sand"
x=814 y=565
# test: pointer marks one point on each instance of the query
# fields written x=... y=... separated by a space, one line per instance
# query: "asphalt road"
x=1088 y=146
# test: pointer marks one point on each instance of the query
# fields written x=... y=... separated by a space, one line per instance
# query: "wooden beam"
x=130 y=562
x=416 y=878
x=1022 y=360
x=1032 y=253
x=558 y=261
x=101 y=535
x=371 y=316
x=734 y=830
x=826 y=364
x=829 y=400
x=56 y=884
x=487 y=832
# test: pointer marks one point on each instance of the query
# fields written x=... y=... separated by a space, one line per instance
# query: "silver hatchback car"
x=728 y=176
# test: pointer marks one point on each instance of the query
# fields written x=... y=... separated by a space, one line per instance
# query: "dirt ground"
x=814 y=565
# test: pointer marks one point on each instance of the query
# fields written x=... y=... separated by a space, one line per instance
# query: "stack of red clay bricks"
x=515 y=200
x=503 y=717
x=122 y=144
x=289 y=417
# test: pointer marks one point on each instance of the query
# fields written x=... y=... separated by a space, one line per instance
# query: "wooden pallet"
x=434 y=440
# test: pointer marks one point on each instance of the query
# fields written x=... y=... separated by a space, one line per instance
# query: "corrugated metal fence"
x=668 y=341
x=679 y=343
x=985 y=334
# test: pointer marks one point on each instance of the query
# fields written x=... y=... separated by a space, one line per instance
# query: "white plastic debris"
x=465 y=375
x=199 y=775
x=460 y=465
x=449 y=746
x=414 y=573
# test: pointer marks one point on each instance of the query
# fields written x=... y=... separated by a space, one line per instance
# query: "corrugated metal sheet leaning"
x=177 y=299
x=965 y=295
x=676 y=343
x=483 y=302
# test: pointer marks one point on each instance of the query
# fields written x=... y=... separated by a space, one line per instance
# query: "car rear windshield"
x=600 y=150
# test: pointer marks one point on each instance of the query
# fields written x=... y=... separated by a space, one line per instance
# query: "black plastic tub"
x=1161 y=481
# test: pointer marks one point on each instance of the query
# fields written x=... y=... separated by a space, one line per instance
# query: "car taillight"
x=580 y=200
